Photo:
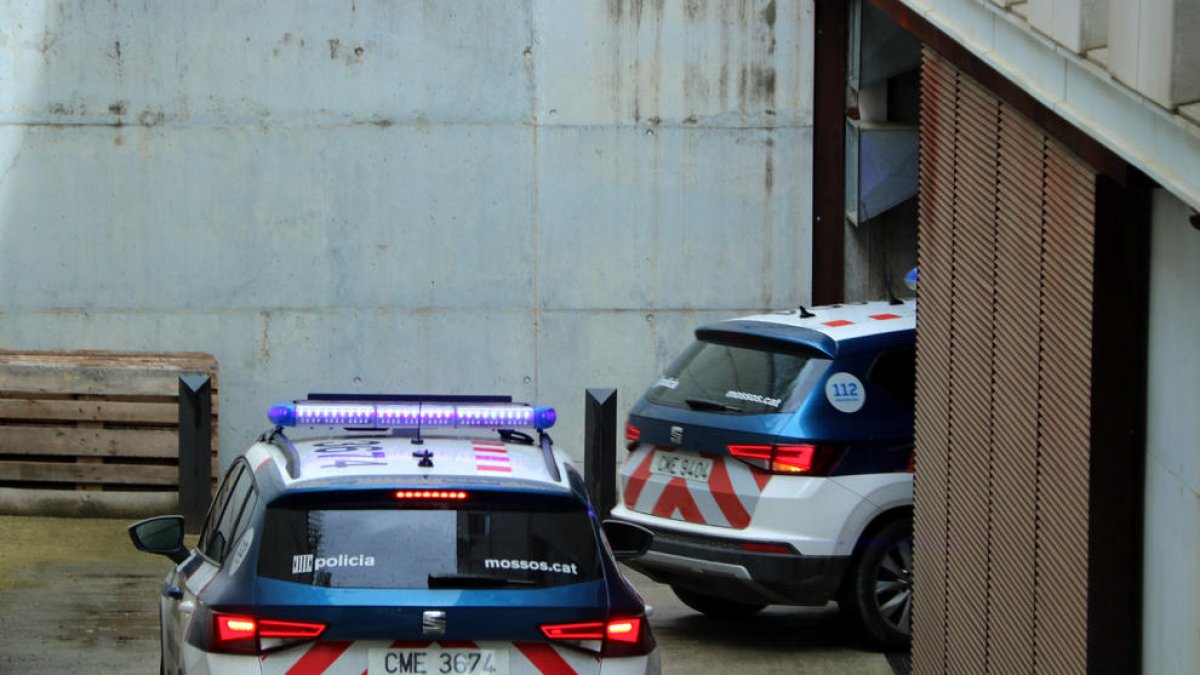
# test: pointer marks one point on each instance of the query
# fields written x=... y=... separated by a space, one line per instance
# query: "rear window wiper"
x=474 y=581
x=705 y=404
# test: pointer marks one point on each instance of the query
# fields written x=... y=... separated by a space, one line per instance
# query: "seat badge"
x=433 y=622
x=677 y=435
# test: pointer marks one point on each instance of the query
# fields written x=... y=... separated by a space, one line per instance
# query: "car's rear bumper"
x=720 y=567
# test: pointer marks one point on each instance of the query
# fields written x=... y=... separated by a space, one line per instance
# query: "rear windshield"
x=428 y=548
x=748 y=380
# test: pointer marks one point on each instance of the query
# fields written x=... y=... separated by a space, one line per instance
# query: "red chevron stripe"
x=726 y=497
x=676 y=496
x=637 y=481
x=544 y=658
x=319 y=657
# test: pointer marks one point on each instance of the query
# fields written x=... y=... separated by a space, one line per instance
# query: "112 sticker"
x=845 y=392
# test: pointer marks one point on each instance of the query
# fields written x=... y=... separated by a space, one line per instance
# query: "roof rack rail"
x=512 y=435
x=548 y=455
x=280 y=440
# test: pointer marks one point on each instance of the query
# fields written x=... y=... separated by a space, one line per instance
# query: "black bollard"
x=600 y=448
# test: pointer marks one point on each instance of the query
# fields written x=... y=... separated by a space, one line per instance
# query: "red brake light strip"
x=453 y=495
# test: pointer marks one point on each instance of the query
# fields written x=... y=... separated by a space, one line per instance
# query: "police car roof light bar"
x=427 y=413
x=407 y=398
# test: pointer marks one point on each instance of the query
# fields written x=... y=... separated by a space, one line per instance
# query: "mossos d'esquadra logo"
x=303 y=564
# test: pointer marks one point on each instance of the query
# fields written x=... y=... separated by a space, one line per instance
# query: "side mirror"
x=627 y=540
x=162 y=535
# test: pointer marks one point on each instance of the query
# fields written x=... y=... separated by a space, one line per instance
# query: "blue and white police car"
x=402 y=535
x=773 y=462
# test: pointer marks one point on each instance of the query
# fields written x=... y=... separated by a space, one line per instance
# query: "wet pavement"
x=775 y=641
x=74 y=600
x=75 y=621
x=75 y=597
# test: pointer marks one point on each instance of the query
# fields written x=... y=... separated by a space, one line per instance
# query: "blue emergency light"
x=423 y=414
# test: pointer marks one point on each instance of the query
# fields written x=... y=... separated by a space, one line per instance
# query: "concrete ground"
x=75 y=597
x=778 y=640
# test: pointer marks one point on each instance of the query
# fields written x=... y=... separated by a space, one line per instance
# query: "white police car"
x=773 y=461
x=411 y=535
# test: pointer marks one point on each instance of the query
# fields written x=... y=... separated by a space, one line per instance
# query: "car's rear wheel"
x=877 y=594
x=714 y=606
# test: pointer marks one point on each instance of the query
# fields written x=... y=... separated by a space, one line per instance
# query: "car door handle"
x=174 y=592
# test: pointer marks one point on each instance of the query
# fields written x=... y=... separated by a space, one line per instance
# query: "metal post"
x=600 y=448
x=195 y=449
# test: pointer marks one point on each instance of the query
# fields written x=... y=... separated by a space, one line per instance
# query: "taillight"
x=237 y=634
x=617 y=637
x=632 y=434
x=592 y=630
x=799 y=459
x=623 y=630
x=268 y=628
x=241 y=634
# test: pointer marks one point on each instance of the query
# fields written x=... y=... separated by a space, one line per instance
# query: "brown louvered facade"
x=1031 y=366
x=1004 y=385
x=1031 y=374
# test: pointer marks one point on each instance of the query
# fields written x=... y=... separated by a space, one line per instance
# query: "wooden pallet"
x=98 y=430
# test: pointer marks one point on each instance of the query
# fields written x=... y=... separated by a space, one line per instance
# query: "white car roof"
x=847 y=321
x=357 y=459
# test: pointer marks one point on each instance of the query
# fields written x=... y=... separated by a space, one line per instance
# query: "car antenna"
x=426 y=458
x=417 y=440
x=805 y=314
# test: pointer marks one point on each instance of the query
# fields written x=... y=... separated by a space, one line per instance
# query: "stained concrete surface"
x=75 y=597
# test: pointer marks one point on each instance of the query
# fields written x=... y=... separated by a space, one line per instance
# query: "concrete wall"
x=526 y=197
x=1153 y=48
x=1078 y=25
x=881 y=250
x=1171 y=611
